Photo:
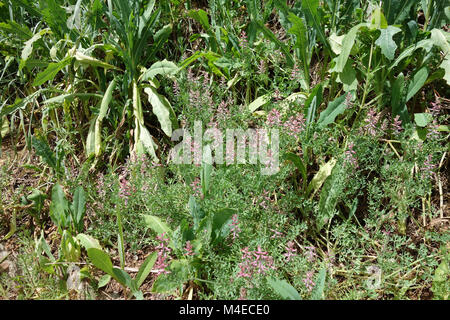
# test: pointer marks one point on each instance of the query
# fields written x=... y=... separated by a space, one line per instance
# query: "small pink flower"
x=311 y=253
x=309 y=282
x=196 y=188
x=350 y=156
x=163 y=254
x=290 y=251
x=235 y=226
x=188 y=249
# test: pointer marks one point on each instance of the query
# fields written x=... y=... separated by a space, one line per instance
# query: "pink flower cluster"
x=308 y=280
x=350 y=156
x=163 y=254
x=255 y=262
x=124 y=189
x=371 y=122
x=295 y=125
x=276 y=234
x=436 y=106
x=262 y=67
x=310 y=253
x=273 y=118
x=428 y=166
x=197 y=188
x=266 y=199
x=243 y=40
x=235 y=227
x=290 y=251
x=397 y=124
x=295 y=74
x=188 y=249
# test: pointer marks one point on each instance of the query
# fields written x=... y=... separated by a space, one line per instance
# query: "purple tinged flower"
x=273 y=118
x=308 y=280
x=163 y=254
x=295 y=125
x=371 y=122
x=397 y=124
x=350 y=156
x=188 y=249
x=295 y=74
x=255 y=262
x=196 y=188
x=235 y=226
x=176 y=89
x=262 y=67
x=428 y=166
x=290 y=251
x=243 y=40
x=276 y=234
x=310 y=253
x=436 y=106
x=277 y=95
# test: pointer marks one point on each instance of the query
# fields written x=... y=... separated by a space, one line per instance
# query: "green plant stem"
x=366 y=87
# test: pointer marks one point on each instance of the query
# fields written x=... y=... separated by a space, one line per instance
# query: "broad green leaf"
x=259 y=102
x=121 y=276
x=219 y=227
x=196 y=212
x=103 y=281
x=397 y=10
x=145 y=269
x=398 y=99
x=207 y=167
x=347 y=45
x=297 y=161
x=157 y=225
x=378 y=20
x=102 y=113
x=161 y=67
x=43 y=150
x=59 y=207
x=4 y=128
x=88 y=242
x=332 y=189
x=200 y=16
x=336 y=43
x=312 y=104
x=321 y=175
x=145 y=143
x=61 y=98
x=348 y=77
x=20 y=103
x=28 y=48
x=318 y=291
x=309 y=8
x=161 y=108
x=82 y=58
x=79 y=206
x=422 y=119
x=101 y=260
x=50 y=72
x=426 y=44
x=334 y=109
x=419 y=79
x=441 y=39
x=168 y=283
x=284 y=289
x=386 y=43
x=90 y=139
x=301 y=34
